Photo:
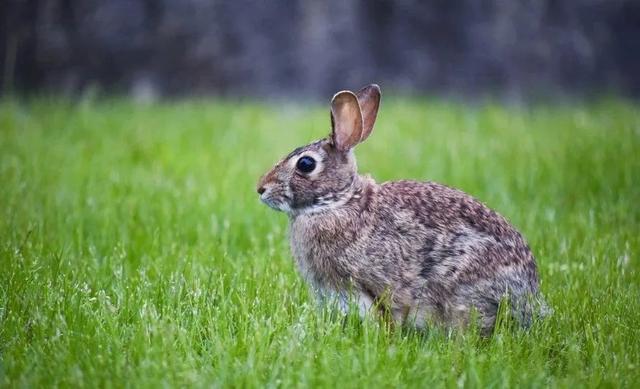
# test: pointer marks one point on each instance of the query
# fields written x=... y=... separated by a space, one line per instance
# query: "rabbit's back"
x=449 y=223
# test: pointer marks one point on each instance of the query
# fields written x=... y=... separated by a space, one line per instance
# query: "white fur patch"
x=330 y=201
x=344 y=302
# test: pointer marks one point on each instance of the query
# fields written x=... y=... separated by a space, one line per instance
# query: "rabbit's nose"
x=261 y=190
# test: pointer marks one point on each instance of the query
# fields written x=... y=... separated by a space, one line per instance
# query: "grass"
x=134 y=250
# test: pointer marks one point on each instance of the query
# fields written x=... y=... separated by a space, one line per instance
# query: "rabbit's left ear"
x=346 y=120
x=369 y=100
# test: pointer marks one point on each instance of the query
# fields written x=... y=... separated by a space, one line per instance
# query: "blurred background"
x=308 y=49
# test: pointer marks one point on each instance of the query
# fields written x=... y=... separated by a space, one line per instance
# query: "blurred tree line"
x=510 y=48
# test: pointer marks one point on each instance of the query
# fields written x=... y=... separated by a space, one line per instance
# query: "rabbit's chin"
x=274 y=204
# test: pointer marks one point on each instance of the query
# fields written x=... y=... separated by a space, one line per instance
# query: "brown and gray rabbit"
x=420 y=251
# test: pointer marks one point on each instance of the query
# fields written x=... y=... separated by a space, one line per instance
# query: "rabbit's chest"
x=319 y=252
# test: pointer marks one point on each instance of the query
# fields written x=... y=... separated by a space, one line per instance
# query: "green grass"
x=134 y=250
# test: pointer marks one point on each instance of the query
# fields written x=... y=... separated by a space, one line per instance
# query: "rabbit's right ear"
x=346 y=120
x=369 y=100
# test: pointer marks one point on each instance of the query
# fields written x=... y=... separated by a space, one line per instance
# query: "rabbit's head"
x=321 y=175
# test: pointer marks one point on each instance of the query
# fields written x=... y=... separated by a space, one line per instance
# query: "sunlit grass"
x=134 y=251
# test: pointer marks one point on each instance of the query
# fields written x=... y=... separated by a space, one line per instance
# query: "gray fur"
x=421 y=251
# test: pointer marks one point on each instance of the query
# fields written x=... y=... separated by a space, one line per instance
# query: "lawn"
x=134 y=250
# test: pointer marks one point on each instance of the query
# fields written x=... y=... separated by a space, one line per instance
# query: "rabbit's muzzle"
x=274 y=193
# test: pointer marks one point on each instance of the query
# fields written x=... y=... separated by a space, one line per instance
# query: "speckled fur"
x=421 y=251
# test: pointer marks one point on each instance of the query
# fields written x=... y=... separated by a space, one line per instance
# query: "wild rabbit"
x=420 y=251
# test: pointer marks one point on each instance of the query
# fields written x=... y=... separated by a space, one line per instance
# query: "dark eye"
x=306 y=164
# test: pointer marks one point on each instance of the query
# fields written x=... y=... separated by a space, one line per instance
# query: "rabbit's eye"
x=306 y=164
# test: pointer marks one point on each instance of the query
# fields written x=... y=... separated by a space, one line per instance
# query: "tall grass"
x=134 y=250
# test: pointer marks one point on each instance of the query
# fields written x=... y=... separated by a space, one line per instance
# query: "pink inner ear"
x=346 y=120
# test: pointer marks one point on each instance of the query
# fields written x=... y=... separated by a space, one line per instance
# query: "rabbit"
x=419 y=252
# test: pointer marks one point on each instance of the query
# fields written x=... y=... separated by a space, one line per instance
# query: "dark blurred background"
x=505 y=48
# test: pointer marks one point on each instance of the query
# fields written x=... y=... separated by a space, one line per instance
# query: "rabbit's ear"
x=346 y=120
x=369 y=100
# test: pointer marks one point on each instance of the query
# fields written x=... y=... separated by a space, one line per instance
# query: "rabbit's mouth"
x=278 y=203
